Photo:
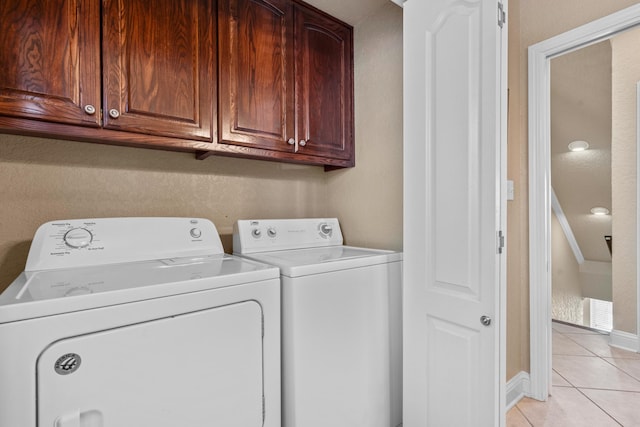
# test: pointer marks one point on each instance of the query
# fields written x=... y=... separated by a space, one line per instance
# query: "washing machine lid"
x=303 y=262
x=51 y=292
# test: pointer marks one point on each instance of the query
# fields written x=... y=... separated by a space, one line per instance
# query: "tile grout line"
x=620 y=369
x=561 y=376
x=591 y=341
x=587 y=388
x=565 y=334
x=524 y=416
x=571 y=339
x=599 y=407
x=579 y=390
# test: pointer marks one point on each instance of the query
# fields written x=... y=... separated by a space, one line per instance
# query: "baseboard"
x=517 y=387
x=624 y=340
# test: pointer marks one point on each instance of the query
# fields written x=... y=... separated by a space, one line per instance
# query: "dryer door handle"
x=90 y=418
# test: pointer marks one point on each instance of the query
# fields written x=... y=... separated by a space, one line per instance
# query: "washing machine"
x=139 y=322
x=341 y=322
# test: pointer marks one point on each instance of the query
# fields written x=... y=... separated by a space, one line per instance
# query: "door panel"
x=324 y=85
x=159 y=82
x=197 y=369
x=50 y=60
x=452 y=361
x=454 y=207
x=256 y=73
x=455 y=50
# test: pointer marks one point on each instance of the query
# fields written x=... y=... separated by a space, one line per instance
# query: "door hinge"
x=502 y=15
x=500 y=242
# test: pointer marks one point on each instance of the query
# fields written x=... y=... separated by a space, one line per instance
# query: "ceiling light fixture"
x=578 y=145
x=599 y=210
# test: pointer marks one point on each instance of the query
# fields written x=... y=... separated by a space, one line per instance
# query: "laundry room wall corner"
x=369 y=196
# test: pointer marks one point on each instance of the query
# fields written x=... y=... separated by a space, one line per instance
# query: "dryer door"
x=197 y=369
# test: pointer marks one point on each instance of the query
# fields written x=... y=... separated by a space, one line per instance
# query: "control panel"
x=87 y=242
x=262 y=235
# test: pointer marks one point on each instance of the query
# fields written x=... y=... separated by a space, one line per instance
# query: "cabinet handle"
x=114 y=113
x=302 y=143
x=89 y=109
x=291 y=141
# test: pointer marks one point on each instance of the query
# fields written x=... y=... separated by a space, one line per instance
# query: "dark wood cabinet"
x=256 y=79
x=265 y=79
x=324 y=85
x=50 y=60
x=151 y=73
x=158 y=67
x=285 y=83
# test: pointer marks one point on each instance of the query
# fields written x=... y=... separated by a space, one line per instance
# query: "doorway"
x=540 y=189
x=581 y=117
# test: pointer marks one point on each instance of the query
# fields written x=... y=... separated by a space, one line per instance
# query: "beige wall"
x=45 y=179
x=626 y=74
x=517 y=214
x=566 y=300
x=373 y=190
x=530 y=22
x=595 y=280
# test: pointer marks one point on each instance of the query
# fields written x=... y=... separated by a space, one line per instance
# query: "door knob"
x=485 y=320
x=291 y=141
x=302 y=143
x=114 y=113
x=89 y=109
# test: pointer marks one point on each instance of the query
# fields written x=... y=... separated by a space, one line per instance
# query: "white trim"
x=539 y=223
x=517 y=387
x=399 y=2
x=540 y=179
x=638 y=212
x=564 y=223
x=623 y=340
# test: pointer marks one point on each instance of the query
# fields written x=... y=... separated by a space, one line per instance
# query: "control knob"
x=78 y=237
x=271 y=232
x=325 y=229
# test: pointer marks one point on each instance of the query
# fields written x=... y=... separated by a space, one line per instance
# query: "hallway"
x=594 y=384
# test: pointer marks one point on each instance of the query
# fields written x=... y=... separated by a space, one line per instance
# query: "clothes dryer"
x=139 y=322
x=341 y=322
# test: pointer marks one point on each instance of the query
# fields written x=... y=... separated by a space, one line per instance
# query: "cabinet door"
x=256 y=73
x=50 y=60
x=159 y=75
x=324 y=85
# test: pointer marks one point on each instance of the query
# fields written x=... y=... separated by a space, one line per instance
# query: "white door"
x=454 y=200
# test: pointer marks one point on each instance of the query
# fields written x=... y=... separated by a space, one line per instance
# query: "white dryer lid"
x=49 y=292
x=302 y=262
x=80 y=264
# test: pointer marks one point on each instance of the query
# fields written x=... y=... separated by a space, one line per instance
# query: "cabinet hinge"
x=500 y=241
x=502 y=15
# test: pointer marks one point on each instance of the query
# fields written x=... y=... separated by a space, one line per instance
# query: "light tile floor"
x=594 y=384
